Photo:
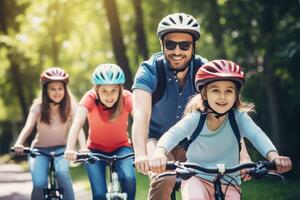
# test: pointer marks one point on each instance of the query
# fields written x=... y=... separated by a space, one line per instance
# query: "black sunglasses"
x=171 y=45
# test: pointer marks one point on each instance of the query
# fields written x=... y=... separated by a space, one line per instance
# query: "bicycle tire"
x=51 y=194
x=54 y=198
x=117 y=198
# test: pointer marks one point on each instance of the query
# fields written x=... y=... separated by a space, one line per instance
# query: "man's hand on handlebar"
x=158 y=161
x=142 y=164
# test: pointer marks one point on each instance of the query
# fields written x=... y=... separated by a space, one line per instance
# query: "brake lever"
x=274 y=174
x=258 y=173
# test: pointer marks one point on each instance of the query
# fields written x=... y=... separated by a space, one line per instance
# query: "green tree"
x=117 y=40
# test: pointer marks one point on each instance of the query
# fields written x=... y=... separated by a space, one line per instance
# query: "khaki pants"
x=161 y=189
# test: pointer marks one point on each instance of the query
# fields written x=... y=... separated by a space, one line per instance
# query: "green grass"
x=269 y=188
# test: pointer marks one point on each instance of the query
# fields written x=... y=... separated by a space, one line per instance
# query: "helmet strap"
x=217 y=114
x=97 y=100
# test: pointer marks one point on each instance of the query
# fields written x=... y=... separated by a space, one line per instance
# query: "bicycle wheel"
x=117 y=198
x=53 y=194
x=54 y=198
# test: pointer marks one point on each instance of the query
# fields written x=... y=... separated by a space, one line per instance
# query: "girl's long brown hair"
x=64 y=105
x=196 y=103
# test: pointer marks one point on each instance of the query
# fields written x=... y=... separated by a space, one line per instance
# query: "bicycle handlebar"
x=186 y=170
x=171 y=165
x=37 y=152
x=92 y=157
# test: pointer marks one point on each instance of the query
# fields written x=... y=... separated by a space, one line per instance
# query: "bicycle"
x=184 y=170
x=114 y=191
x=52 y=191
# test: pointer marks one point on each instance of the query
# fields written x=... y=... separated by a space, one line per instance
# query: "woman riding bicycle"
x=51 y=114
x=218 y=83
x=107 y=106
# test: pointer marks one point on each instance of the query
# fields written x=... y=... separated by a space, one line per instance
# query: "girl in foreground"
x=218 y=84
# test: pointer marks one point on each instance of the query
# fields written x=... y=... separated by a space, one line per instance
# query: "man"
x=178 y=34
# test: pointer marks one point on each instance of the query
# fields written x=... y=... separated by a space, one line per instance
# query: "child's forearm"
x=160 y=151
x=76 y=127
x=73 y=135
x=82 y=140
x=27 y=130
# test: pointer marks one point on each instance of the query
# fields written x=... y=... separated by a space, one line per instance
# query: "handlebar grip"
x=25 y=150
x=270 y=165
x=81 y=156
x=170 y=165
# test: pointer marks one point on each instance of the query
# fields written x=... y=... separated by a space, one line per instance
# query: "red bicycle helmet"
x=54 y=74
x=217 y=70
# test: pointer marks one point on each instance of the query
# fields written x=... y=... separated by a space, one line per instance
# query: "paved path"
x=15 y=184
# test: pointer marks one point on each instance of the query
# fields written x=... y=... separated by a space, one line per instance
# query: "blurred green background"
x=77 y=35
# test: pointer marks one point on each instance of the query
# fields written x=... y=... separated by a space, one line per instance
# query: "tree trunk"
x=17 y=82
x=141 y=40
x=117 y=40
x=14 y=66
x=55 y=47
x=217 y=29
x=3 y=14
x=268 y=32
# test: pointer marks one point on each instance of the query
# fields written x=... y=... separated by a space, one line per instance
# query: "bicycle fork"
x=52 y=191
x=114 y=189
x=219 y=195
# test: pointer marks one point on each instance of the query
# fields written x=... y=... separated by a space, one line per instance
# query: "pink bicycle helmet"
x=217 y=70
x=54 y=74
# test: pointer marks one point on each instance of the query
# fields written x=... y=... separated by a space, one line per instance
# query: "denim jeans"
x=124 y=168
x=39 y=172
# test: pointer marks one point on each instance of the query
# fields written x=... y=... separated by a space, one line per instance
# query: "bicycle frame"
x=53 y=191
x=113 y=187
x=219 y=195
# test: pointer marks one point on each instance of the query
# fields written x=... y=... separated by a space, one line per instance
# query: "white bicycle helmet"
x=179 y=22
x=106 y=74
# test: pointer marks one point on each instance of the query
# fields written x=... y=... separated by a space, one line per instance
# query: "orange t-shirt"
x=105 y=135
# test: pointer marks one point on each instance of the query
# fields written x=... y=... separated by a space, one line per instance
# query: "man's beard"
x=178 y=67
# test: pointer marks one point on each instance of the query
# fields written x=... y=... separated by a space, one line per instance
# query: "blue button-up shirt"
x=169 y=110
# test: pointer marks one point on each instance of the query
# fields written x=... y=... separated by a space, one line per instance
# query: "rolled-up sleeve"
x=145 y=78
